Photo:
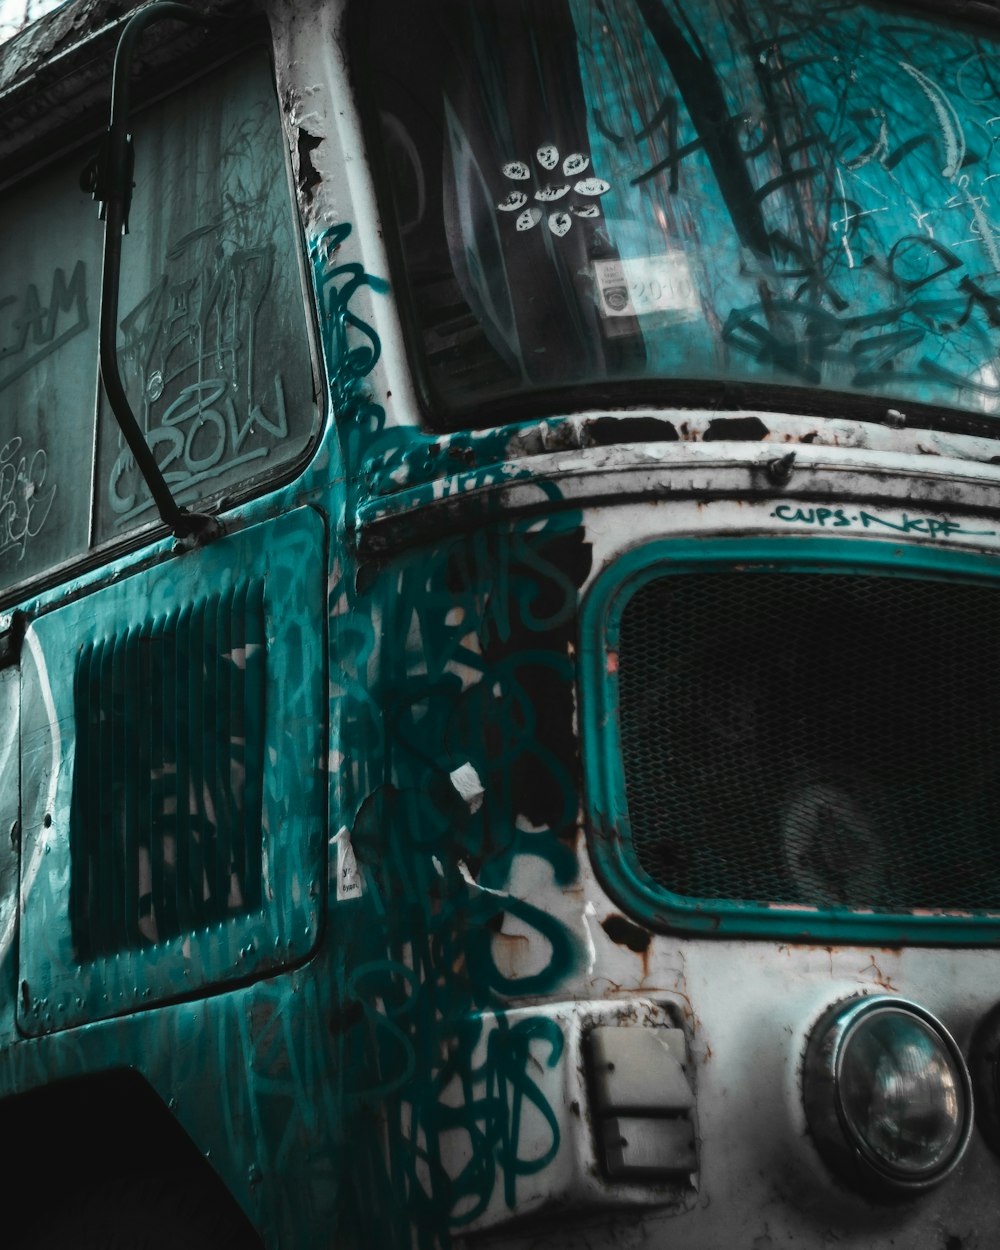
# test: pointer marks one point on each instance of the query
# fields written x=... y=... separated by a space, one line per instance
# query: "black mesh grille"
x=814 y=739
x=165 y=833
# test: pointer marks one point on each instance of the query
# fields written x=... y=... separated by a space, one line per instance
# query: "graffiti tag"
x=30 y=331
x=903 y=523
x=24 y=503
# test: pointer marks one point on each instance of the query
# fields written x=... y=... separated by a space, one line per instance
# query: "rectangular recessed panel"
x=166 y=812
x=173 y=731
x=814 y=740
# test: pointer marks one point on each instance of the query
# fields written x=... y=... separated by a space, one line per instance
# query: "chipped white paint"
x=467 y=782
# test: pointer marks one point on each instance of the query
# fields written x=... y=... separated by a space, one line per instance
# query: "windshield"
x=739 y=191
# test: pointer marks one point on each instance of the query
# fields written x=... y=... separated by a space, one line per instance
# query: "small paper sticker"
x=547 y=194
x=349 y=881
x=592 y=186
x=646 y=284
x=512 y=202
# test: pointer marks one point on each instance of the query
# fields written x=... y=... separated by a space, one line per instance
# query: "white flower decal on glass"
x=547 y=192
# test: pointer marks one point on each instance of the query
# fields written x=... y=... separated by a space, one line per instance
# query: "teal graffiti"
x=495 y=1120
x=382 y=459
x=448 y=657
x=845 y=518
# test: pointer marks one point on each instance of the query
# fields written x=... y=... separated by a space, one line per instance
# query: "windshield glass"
x=736 y=191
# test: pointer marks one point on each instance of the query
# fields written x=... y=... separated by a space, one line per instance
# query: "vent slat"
x=223 y=754
x=253 y=732
x=134 y=712
x=137 y=865
x=123 y=767
x=165 y=830
x=81 y=886
x=187 y=661
x=238 y=724
x=102 y=696
x=210 y=898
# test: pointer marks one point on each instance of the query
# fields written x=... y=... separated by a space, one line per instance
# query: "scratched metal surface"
x=358 y=1099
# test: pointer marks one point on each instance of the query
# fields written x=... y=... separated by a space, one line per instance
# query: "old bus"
x=500 y=637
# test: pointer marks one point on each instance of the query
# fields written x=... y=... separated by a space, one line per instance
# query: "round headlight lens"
x=887 y=1094
x=901 y=1092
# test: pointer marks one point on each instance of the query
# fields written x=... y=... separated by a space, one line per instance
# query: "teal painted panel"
x=174 y=742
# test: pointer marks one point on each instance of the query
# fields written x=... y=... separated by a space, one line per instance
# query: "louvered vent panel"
x=814 y=740
x=166 y=821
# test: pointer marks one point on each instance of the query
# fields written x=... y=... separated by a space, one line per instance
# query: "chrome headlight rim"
x=839 y=1142
x=984 y=1064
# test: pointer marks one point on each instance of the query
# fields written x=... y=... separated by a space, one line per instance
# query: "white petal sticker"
x=559 y=223
x=592 y=186
x=516 y=170
x=575 y=164
x=548 y=194
x=548 y=156
x=511 y=203
x=586 y=210
x=530 y=217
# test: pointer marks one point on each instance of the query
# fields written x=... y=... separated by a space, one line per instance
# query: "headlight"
x=887 y=1095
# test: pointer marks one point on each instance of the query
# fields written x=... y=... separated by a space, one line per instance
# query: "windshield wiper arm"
x=109 y=177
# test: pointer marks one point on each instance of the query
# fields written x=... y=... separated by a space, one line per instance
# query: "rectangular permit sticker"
x=349 y=883
x=646 y=284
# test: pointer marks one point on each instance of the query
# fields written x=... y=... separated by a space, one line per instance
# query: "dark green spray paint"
x=443 y=657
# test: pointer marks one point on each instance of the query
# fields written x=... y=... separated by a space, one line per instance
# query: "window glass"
x=752 y=191
x=50 y=276
x=213 y=340
x=213 y=346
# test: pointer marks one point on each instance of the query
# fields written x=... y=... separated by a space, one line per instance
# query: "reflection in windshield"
x=746 y=190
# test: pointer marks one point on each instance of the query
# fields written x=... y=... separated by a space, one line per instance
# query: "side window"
x=213 y=340
x=50 y=274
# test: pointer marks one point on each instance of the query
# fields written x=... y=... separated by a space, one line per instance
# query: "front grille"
x=165 y=830
x=814 y=739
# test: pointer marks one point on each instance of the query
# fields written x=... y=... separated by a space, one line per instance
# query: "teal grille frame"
x=608 y=829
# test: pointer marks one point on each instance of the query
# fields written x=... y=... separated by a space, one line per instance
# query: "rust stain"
x=624 y=932
x=612 y=661
x=510 y=951
x=878 y=977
